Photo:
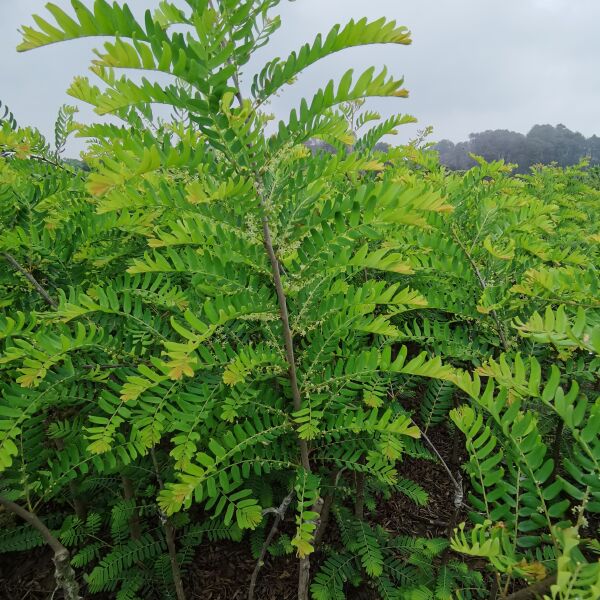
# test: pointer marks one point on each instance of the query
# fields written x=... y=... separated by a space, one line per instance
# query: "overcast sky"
x=474 y=64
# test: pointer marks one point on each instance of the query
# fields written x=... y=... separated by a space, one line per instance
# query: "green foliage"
x=401 y=567
x=63 y=127
x=7 y=117
x=150 y=308
x=436 y=403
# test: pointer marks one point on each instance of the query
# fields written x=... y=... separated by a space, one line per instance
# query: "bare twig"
x=280 y=515
x=430 y=520
x=52 y=162
x=39 y=289
x=64 y=574
x=41 y=159
x=459 y=494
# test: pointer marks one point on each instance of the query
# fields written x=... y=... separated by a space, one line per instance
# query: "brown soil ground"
x=222 y=571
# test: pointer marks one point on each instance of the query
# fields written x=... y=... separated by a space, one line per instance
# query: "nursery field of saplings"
x=232 y=367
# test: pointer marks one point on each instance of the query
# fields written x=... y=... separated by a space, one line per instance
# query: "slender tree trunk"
x=327 y=505
x=304 y=576
x=287 y=333
x=359 y=501
x=455 y=467
x=175 y=570
x=360 y=477
x=78 y=504
x=134 y=520
x=63 y=573
x=556 y=446
x=494 y=587
x=456 y=482
x=456 y=440
x=169 y=537
x=304 y=579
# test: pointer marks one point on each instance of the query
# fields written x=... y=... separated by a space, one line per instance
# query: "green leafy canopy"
x=214 y=319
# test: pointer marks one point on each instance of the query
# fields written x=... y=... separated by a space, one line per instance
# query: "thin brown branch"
x=556 y=447
x=52 y=162
x=39 y=289
x=35 y=522
x=430 y=520
x=78 y=504
x=279 y=516
x=304 y=575
x=327 y=504
x=359 y=500
x=41 y=159
x=483 y=284
x=535 y=590
x=287 y=333
x=64 y=574
x=134 y=520
x=459 y=494
x=169 y=537
x=304 y=579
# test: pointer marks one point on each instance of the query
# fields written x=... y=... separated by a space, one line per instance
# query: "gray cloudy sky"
x=473 y=65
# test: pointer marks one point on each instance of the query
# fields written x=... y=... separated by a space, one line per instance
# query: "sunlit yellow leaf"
x=232 y=378
x=303 y=547
x=196 y=194
x=180 y=367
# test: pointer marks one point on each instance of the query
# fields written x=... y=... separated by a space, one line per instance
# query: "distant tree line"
x=544 y=144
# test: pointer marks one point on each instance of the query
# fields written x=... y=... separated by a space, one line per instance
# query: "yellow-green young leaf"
x=382 y=260
x=101 y=183
x=303 y=547
x=196 y=194
x=372 y=399
x=248 y=516
x=507 y=253
x=180 y=367
x=32 y=376
x=233 y=376
x=100 y=446
x=403 y=426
